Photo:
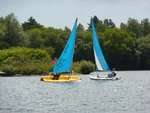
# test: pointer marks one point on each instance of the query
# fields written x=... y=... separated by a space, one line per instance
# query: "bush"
x=76 y=67
x=84 y=67
x=24 y=61
x=8 y=69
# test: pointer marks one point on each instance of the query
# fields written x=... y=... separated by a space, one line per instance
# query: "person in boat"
x=56 y=76
x=112 y=74
x=97 y=76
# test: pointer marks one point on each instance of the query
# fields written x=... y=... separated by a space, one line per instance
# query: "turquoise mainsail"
x=64 y=63
x=99 y=57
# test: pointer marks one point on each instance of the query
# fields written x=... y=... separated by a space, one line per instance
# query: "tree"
x=31 y=23
x=144 y=49
x=109 y=23
x=83 y=50
x=132 y=26
x=145 y=26
x=11 y=32
x=2 y=34
x=35 y=39
x=96 y=20
x=101 y=25
x=80 y=27
x=119 y=48
x=98 y=24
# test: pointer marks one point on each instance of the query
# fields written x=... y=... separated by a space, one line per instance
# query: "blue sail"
x=64 y=63
x=99 y=57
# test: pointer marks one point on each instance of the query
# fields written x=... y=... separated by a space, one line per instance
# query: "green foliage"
x=119 y=48
x=48 y=38
x=84 y=67
x=126 y=47
x=144 y=49
x=31 y=23
x=11 y=33
x=80 y=27
x=35 y=39
x=24 y=61
x=83 y=47
x=145 y=26
x=101 y=25
x=140 y=29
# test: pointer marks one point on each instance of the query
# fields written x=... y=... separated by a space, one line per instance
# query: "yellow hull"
x=62 y=78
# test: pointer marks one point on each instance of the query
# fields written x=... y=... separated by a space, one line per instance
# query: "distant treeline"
x=126 y=47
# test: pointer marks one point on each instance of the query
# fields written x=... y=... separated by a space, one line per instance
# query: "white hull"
x=103 y=78
x=100 y=73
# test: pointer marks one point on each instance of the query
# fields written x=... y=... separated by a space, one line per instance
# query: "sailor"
x=56 y=76
x=112 y=74
x=97 y=76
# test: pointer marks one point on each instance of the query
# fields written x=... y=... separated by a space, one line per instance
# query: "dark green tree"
x=31 y=23
x=145 y=26
x=35 y=38
x=11 y=33
x=102 y=25
x=119 y=48
x=83 y=50
x=80 y=27
x=133 y=26
x=109 y=23
x=144 y=50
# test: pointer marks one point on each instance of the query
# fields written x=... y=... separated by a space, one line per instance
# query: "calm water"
x=131 y=94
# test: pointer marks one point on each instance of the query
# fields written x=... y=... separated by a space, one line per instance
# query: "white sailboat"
x=104 y=72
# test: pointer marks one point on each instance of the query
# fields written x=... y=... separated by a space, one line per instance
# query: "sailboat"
x=104 y=71
x=62 y=69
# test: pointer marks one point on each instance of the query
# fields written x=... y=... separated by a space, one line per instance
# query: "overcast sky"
x=60 y=13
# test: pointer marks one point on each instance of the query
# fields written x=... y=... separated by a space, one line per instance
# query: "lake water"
x=131 y=94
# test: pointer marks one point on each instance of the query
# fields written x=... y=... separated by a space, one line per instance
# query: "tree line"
x=126 y=47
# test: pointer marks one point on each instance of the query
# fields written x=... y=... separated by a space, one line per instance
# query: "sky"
x=61 y=13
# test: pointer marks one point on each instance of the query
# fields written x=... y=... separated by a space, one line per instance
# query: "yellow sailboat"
x=62 y=70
